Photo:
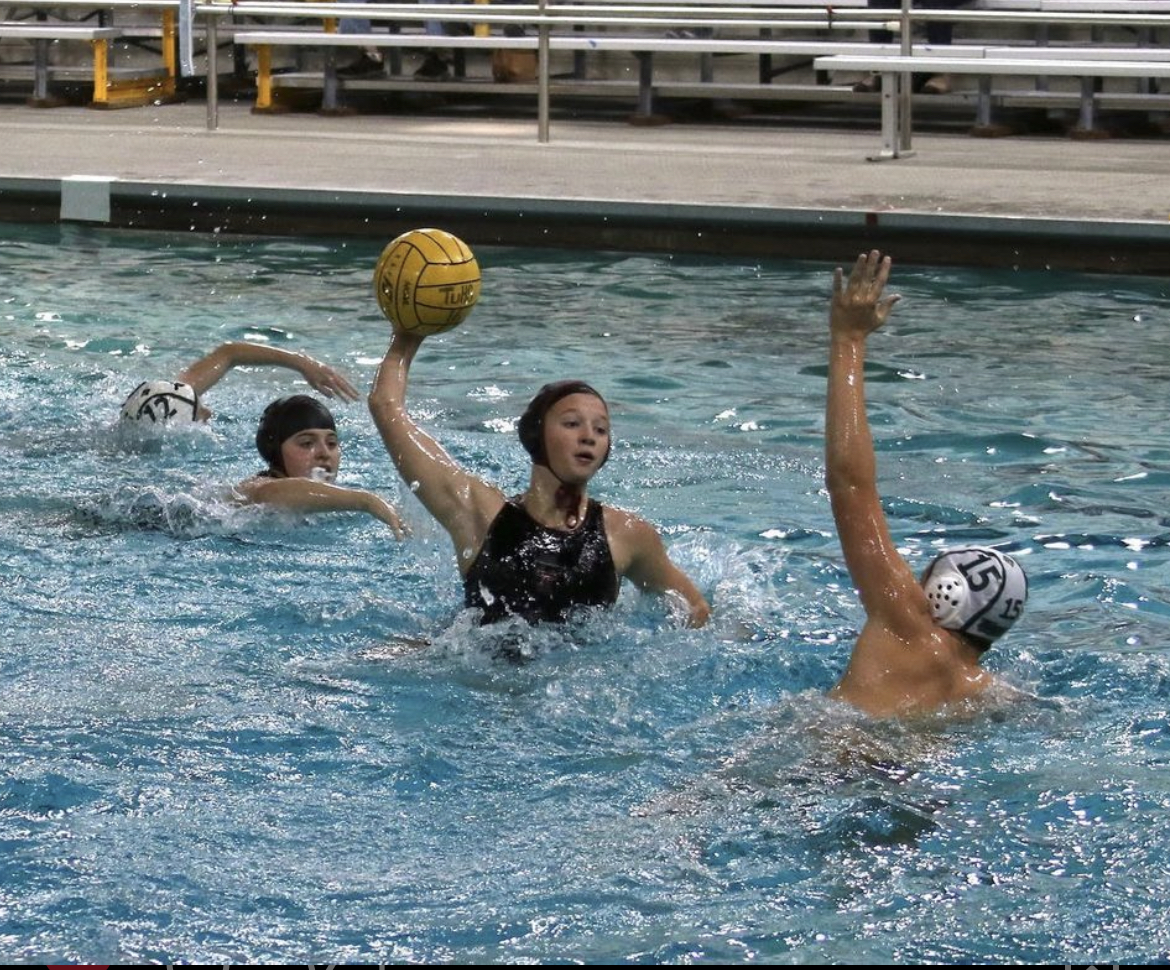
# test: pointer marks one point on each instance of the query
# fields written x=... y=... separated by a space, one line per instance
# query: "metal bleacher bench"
x=43 y=33
x=594 y=26
x=644 y=47
x=802 y=29
x=113 y=87
x=1087 y=64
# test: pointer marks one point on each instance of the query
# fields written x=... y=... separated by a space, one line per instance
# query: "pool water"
x=235 y=736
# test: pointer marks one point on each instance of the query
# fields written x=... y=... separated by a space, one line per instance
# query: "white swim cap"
x=976 y=591
x=161 y=402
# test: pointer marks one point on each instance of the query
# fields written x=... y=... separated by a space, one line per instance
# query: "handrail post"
x=212 y=72
x=906 y=88
x=542 y=71
x=187 y=37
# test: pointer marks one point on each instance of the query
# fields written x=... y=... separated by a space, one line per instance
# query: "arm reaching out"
x=857 y=309
x=639 y=553
x=208 y=371
x=306 y=495
x=887 y=586
x=462 y=503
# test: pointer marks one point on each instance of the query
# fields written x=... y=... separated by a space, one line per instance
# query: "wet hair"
x=976 y=591
x=531 y=424
x=285 y=417
x=161 y=402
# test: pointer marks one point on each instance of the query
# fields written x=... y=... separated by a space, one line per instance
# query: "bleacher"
x=1095 y=53
x=52 y=38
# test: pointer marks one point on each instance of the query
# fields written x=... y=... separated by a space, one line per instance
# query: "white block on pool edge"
x=85 y=198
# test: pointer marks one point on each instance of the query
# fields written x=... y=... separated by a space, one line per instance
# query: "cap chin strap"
x=567 y=497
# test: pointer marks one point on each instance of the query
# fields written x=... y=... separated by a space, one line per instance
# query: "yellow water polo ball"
x=427 y=281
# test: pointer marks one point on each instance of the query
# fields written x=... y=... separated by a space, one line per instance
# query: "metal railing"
x=553 y=19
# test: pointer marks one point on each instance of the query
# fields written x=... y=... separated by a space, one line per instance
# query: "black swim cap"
x=531 y=424
x=285 y=417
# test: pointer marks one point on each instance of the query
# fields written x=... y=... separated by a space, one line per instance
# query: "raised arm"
x=208 y=371
x=887 y=586
x=640 y=555
x=463 y=504
x=306 y=495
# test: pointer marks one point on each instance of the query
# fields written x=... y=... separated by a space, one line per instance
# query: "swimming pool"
x=220 y=746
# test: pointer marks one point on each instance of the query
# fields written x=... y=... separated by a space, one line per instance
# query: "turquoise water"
x=221 y=741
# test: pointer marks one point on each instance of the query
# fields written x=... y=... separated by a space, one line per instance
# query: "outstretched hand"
x=383 y=510
x=858 y=307
x=323 y=378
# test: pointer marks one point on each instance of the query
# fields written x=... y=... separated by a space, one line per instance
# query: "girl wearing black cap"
x=297 y=437
x=551 y=549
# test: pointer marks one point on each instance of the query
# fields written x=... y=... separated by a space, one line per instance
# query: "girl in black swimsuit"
x=551 y=549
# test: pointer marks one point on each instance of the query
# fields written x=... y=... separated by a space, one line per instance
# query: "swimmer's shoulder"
x=630 y=536
x=250 y=490
x=998 y=701
x=617 y=519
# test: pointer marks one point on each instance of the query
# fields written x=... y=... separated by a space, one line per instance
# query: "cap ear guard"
x=267 y=442
x=530 y=428
x=976 y=591
x=154 y=403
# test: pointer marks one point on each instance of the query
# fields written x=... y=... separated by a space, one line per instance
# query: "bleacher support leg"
x=645 y=115
x=101 y=72
x=40 y=95
x=895 y=118
x=984 y=126
x=330 y=102
x=1086 y=128
x=263 y=79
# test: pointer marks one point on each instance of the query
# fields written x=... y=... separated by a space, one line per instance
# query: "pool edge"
x=938 y=238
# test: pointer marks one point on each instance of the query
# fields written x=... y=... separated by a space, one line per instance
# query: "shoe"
x=364 y=66
x=433 y=68
x=869 y=85
x=939 y=84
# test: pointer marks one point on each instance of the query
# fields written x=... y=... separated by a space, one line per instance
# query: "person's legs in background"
x=873 y=83
x=369 y=61
x=436 y=66
x=939 y=33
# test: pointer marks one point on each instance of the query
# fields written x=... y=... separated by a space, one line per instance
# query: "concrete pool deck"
x=734 y=187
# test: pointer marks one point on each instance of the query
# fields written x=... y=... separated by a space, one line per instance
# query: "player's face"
x=576 y=437
x=306 y=451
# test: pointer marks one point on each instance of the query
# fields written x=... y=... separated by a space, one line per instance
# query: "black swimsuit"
x=541 y=574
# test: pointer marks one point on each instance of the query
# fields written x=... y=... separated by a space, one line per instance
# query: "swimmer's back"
x=893 y=674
